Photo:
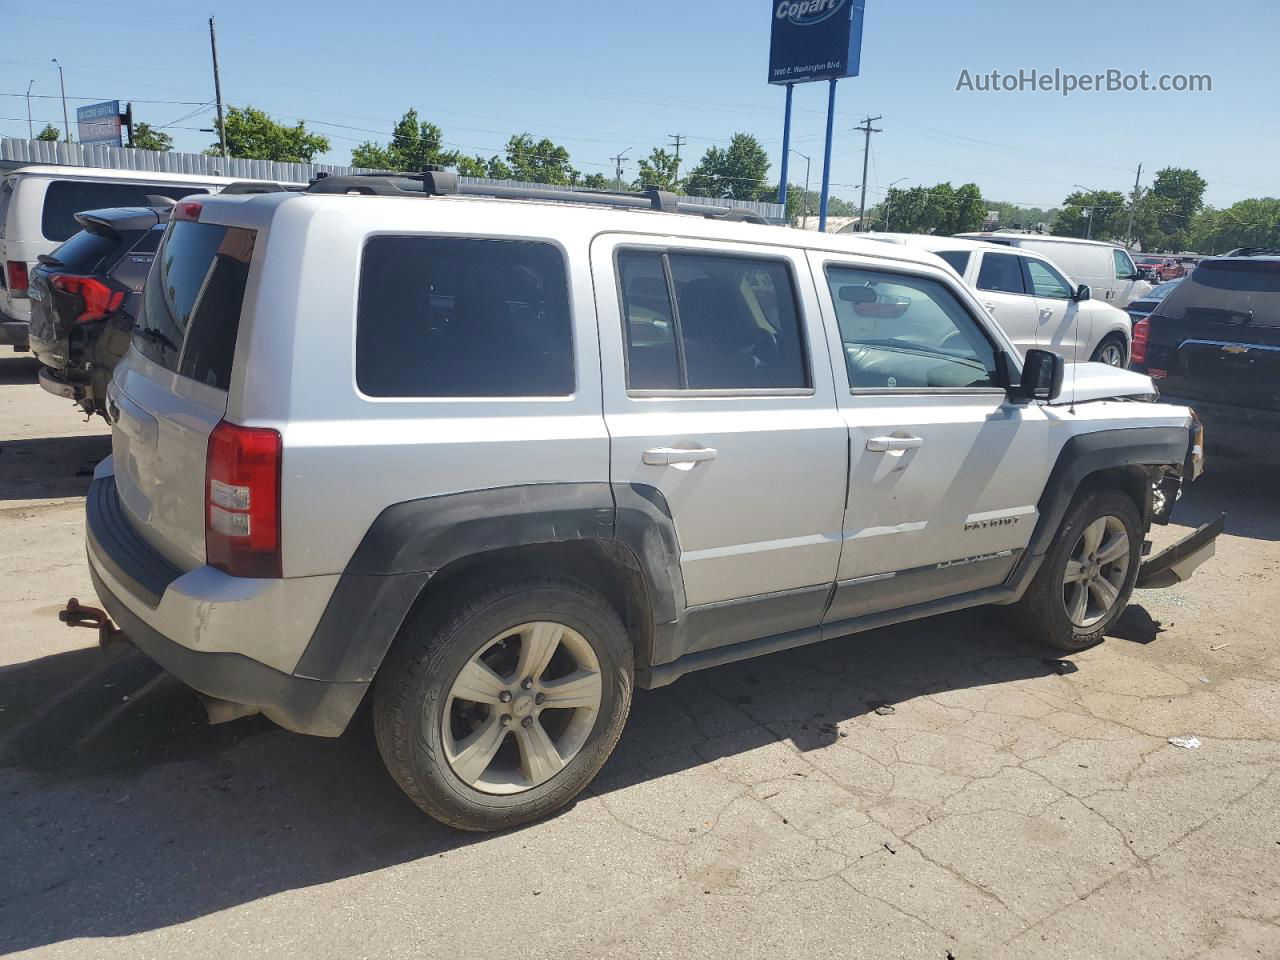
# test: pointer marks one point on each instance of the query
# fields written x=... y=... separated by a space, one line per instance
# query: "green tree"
x=1108 y=209
x=255 y=136
x=1248 y=223
x=146 y=137
x=538 y=161
x=941 y=209
x=659 y=170
x=1025 y=218
x=736 y=172
x=50 y=134
x=1163 y=215
x=598 y=181
x=415 y=145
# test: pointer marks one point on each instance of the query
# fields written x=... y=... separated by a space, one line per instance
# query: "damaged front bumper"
x=1178 y=562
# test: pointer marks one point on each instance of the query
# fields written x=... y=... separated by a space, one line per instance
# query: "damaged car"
x=493 y=457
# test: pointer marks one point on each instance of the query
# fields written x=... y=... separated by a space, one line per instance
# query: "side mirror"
x=1042 y=374
x=1082 y=293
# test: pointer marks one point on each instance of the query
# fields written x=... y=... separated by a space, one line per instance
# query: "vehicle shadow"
x=1244 y=491
x=127 y=813
x=45 y=468
x=18 y=369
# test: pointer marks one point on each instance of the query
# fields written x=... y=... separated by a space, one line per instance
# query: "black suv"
x=1214 y=344
x=84 y=299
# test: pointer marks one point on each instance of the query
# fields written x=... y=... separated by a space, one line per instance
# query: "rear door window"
x=63 y=199
x=193 y=298
x=450 y=317
x=1001 y=273
x=734 y=324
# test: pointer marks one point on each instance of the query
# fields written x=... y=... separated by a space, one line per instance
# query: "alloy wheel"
x=1096 y=571
x=522 y=708
x=1111 y=354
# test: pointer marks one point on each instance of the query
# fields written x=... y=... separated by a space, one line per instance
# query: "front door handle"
x=892 y=444
x=673 y=456
x=991 y=307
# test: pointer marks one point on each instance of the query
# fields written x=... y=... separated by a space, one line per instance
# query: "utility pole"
x=66 y=126
x=217 y=89
x=867 y=130
x=618 y=160
x=1133 y=204
x=31 y=133
x=678 y=140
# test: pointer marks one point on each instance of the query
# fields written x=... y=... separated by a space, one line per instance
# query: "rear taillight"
x=186 y=210
x=99 y=300
x=16 y=273
x=1141 y=334
x=242 y=501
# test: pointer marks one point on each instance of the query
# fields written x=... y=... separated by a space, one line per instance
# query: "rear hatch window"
x=65 y=198
x=192 y=301
x=90 y=252
x=1228 y=292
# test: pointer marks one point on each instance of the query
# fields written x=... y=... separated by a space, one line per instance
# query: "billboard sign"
x=99 y=123
x=815 y=40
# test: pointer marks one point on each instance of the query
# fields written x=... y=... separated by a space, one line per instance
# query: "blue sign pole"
x=826 y=161
x=786 y=149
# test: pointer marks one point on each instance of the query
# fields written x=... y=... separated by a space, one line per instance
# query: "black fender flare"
x=1081 y=456
x=409 y=542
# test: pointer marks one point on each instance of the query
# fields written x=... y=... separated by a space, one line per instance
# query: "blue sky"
x=604 y=77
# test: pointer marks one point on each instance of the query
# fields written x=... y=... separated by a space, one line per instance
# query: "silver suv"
x=496 y=460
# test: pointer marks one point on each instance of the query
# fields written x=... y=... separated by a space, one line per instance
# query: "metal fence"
x=16 y=152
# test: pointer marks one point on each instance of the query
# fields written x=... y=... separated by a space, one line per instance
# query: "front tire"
x=1111 y=351
x=498 y=704
x=1087 y=577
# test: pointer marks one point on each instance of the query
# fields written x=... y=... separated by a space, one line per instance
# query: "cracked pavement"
x=1010 y=805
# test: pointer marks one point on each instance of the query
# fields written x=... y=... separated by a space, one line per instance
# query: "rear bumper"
x=1233 y=431
x=52 y=382
x=228 y=637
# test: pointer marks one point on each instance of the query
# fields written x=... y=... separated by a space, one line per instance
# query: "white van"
x=1105 y=268
x=37 y=213
x=1038 y=305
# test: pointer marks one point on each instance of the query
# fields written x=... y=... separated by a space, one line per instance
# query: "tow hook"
x=75 y=614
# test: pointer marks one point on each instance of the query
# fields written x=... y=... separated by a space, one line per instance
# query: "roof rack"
x=441 y=183
x=1254 y=252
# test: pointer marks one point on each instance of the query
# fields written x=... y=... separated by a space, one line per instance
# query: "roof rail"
x=259 y=186
x=438 y=183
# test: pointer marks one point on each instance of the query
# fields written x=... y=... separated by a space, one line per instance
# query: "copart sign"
x=815 y=40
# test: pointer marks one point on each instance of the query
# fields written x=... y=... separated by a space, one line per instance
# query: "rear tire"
x=1112 y=351
x=465 y=710
x=1087 y=577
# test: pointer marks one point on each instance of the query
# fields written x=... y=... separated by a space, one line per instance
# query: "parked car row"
x=496 y=462
x=1032 y=300
x=38 y=207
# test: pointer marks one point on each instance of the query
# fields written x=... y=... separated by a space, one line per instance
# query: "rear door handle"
x=891 y=444
x=678 y=456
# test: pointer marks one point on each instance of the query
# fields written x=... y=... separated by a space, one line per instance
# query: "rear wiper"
x=155 y=336
x=49 y=260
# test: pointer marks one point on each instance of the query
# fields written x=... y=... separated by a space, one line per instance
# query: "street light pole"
x=1088 y=231
x=66 y=124
x=806 y=184
x=31 y=133
x=888 y=202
